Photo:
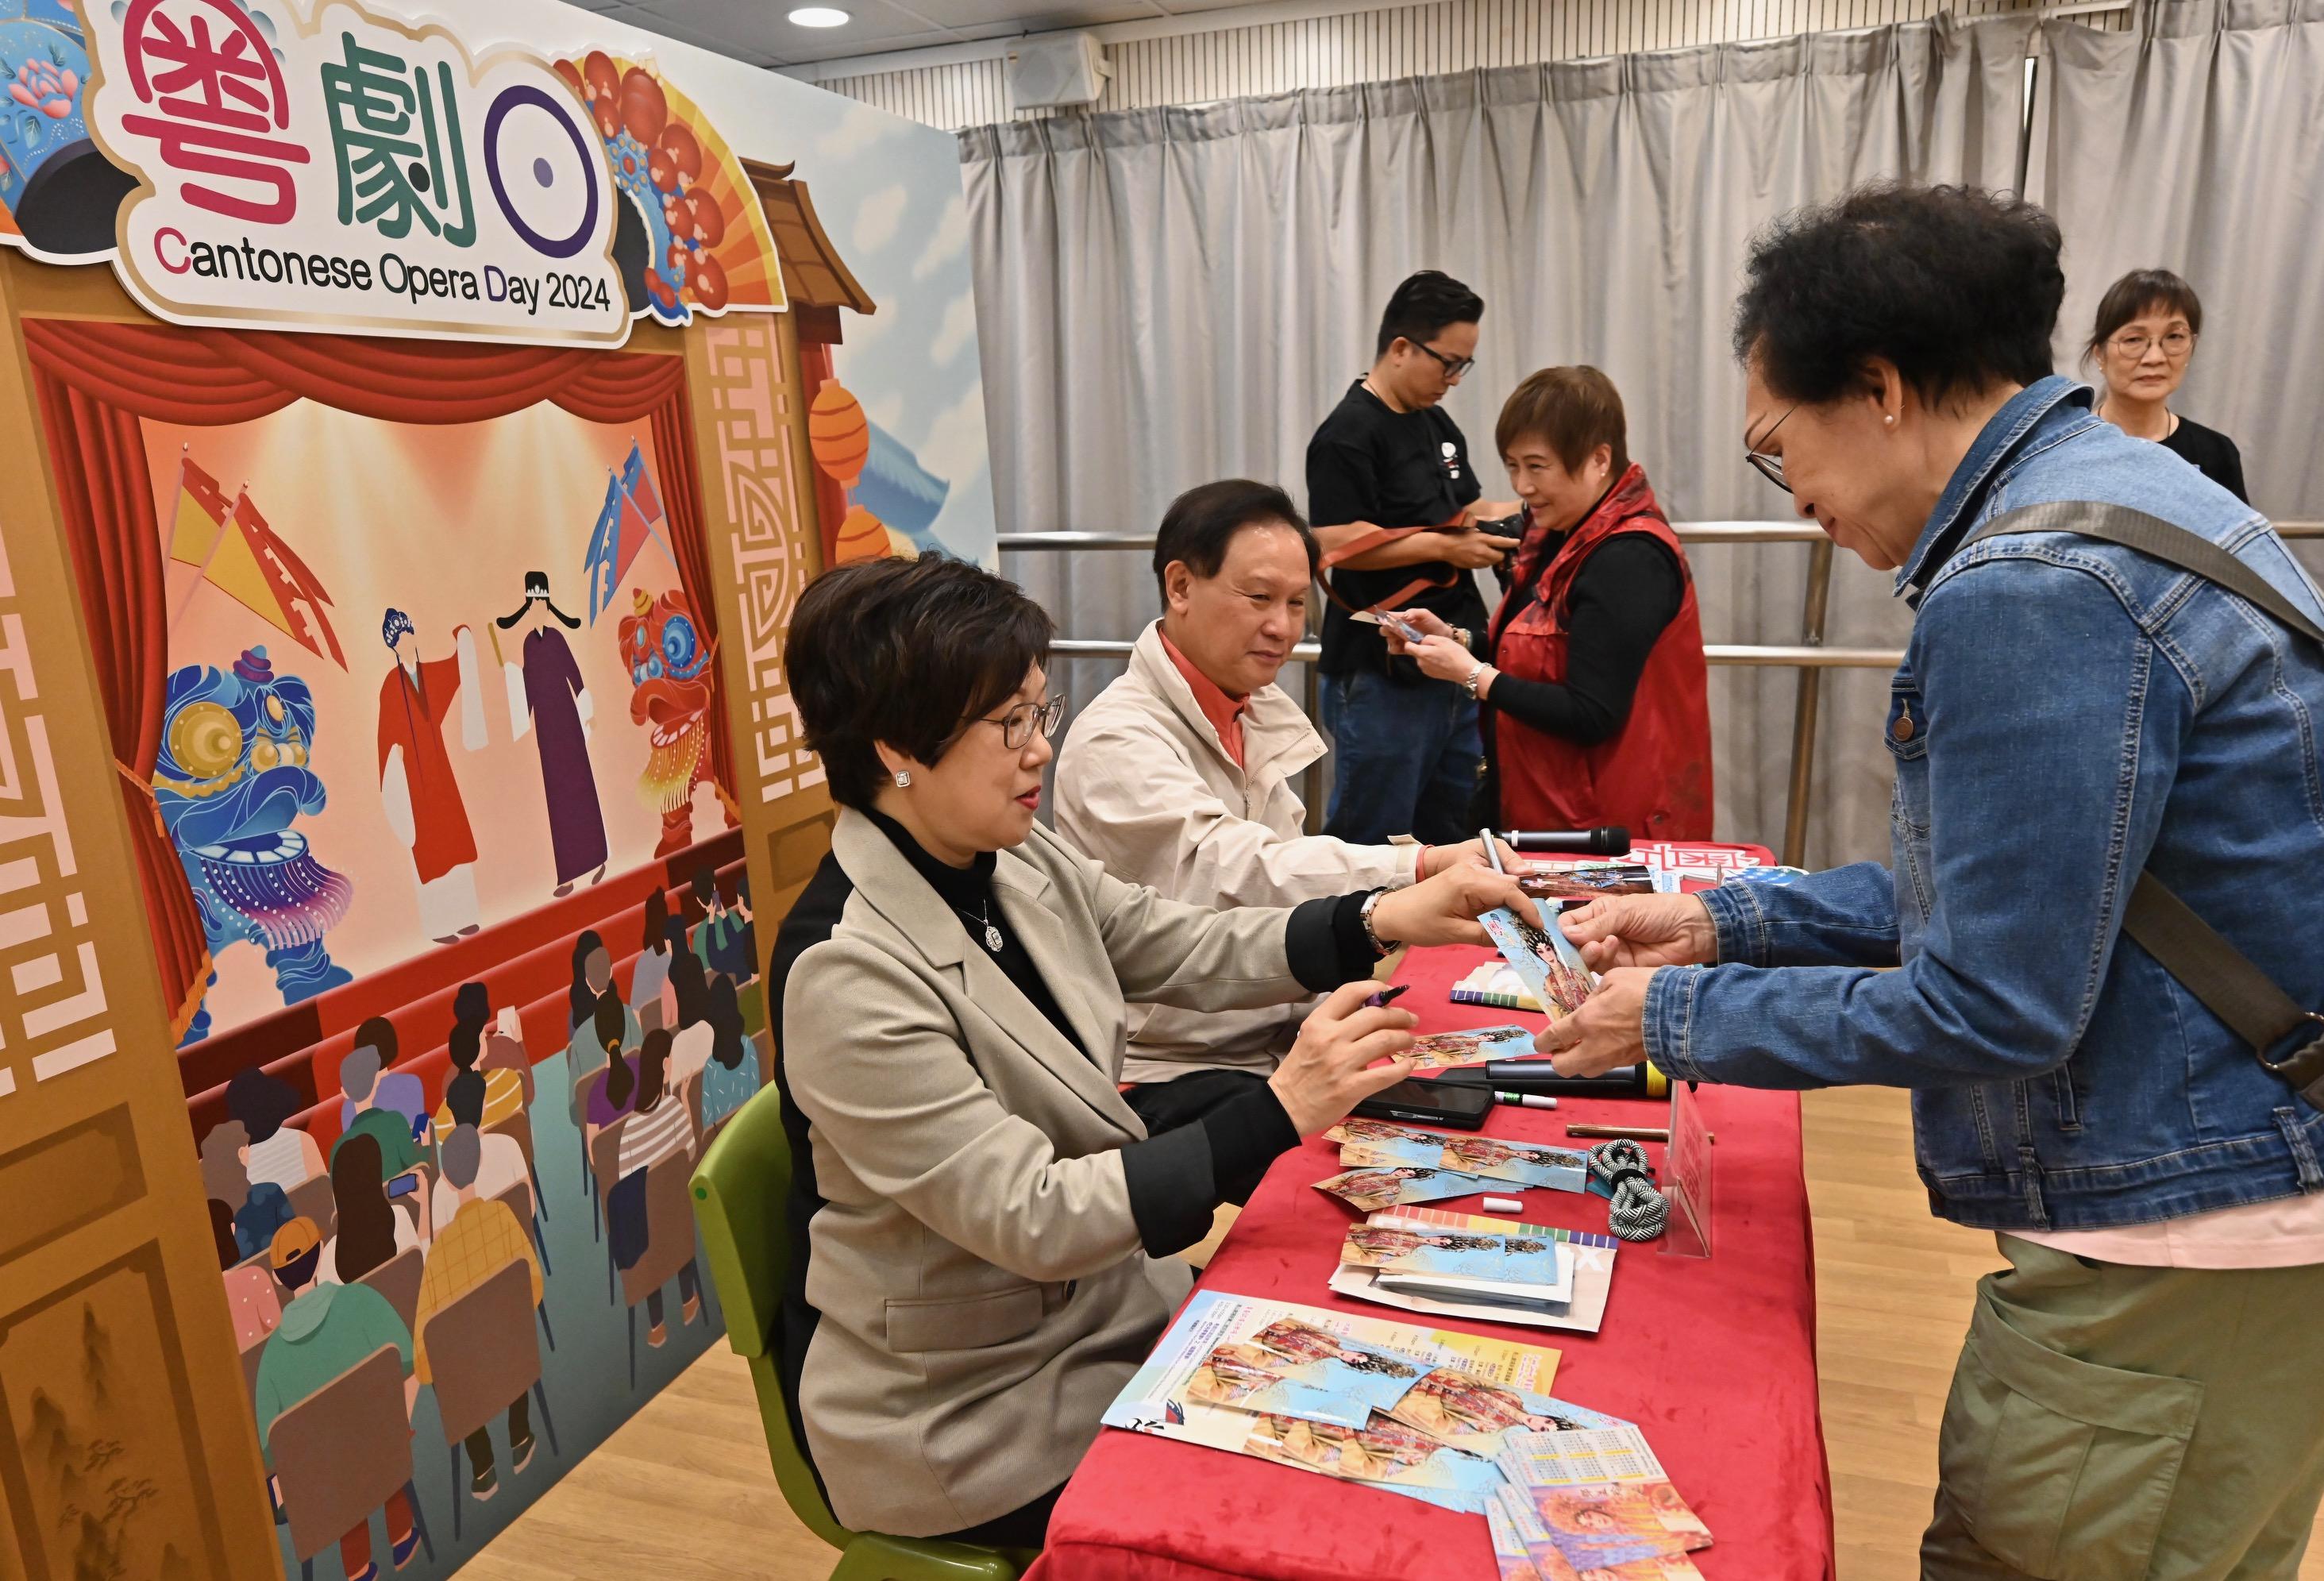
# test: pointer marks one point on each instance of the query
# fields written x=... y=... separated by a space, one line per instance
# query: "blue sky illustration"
x=889 y=195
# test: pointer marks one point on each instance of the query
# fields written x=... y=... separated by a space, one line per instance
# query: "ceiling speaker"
x=1057 y=70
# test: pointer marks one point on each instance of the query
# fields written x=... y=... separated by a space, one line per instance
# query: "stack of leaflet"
x=1413 y=1410
x=1384 y=1164
x=1575 y=1298
x=1593 y=1503
x=1456 y=1419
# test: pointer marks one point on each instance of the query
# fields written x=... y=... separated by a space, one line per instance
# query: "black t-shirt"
x=2208 y=449
x=1392 y=470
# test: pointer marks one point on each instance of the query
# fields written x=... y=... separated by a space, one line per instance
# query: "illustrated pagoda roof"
x=814 y=274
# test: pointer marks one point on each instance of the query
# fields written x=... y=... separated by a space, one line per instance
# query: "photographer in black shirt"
x=1407 y=749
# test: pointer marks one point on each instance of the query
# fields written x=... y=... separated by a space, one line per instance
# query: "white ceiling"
x=758 y=31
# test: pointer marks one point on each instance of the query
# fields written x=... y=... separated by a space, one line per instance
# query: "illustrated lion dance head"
x=669 y=678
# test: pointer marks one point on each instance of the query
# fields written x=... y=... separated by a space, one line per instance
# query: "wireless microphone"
x=1610 y=841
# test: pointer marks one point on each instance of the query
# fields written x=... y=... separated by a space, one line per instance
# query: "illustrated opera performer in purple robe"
x=547 y=694
x=416 y=784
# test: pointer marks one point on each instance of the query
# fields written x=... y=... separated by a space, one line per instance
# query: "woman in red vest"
x=1595 y=711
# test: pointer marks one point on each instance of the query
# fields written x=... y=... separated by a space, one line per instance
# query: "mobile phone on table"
x=1430 y=1103
x=404 y=1185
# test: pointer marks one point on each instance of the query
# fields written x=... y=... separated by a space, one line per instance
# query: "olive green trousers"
x=2109 y=1423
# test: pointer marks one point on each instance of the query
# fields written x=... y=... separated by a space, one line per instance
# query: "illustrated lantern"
x=838 y=433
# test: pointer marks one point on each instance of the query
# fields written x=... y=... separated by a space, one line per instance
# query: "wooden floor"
x=683 y=1493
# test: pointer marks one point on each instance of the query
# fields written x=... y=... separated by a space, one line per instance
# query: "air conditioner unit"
x=1057 y=70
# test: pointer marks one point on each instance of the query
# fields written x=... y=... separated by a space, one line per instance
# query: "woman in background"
x=2142 y=341
x=618 y=1093
x=369 y=1231
x=731 y=1079
x=652 y=969
x=659 y=1129
x=1594 y=692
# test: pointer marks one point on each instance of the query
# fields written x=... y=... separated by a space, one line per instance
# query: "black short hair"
x=1423 y=306
x=1201 y=522
x=1957 y=286
x=464 y=1096
x=2140 y=292
x=905 y=652
x=465 y=1044
x=262 y=1101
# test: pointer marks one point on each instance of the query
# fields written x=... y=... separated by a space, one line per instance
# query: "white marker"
x=1503 y=1205
x=1527 y=1100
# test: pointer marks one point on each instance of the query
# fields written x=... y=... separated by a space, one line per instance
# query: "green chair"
x=740 y=1196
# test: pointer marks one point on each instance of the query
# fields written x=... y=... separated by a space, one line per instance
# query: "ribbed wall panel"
x=1413 y=40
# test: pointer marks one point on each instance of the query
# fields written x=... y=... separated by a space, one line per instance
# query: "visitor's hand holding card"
x=1544 y=960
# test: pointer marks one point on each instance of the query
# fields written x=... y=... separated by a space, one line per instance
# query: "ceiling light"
x=819 y=16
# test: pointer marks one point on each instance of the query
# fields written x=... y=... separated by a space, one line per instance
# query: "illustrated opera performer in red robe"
x=416 y=784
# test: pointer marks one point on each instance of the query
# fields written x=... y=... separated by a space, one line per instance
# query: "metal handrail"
x=1806 y=657
x=1809 y=655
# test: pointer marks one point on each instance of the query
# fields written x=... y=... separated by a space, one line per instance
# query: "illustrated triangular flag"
x=199 y=518
x=295 y=592
x=599 y=564
x=639 y=485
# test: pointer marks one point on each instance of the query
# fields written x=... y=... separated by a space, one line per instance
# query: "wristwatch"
x=1380 y=946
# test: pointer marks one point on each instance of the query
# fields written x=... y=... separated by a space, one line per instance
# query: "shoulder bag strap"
x=2245 y=998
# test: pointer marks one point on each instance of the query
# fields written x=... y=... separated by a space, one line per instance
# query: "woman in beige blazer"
x=975 y=1207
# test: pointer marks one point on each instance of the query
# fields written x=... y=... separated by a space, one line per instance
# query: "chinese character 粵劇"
x=397 y=139
x=220 y=95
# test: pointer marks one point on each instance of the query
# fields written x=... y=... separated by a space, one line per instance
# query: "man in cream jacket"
x=1179 y=776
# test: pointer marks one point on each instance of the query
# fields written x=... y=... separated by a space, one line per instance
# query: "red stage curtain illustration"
x=96 y=380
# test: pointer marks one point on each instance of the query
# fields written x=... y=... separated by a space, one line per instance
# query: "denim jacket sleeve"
x=2052 y=735
x=1843 y=915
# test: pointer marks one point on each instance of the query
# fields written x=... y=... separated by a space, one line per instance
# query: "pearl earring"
x=903 y=778
x=1891 y=417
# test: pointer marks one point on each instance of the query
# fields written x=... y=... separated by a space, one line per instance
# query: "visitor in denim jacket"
x=2139 y=1393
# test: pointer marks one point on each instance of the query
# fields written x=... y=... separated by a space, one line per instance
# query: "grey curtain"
x=2197 y=144
x=1173 y=295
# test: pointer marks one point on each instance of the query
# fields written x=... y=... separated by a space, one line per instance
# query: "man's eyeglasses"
x=1770 y=468
x=1018 y=725
x=2175 y=345
x=1454 y=367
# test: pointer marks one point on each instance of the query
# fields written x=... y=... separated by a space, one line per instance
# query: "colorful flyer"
x=1465 y=1411
x=1437 y=1050
x=1385 y=1453
x=1292 y=1367
x=1537 y=1459
x=1543 y=957
x=1524 y=1266
x=1369 y=1190
x=1509 y=1555
x=1592 y=1257
x=1380 y=1452
x=1595 y=1526
x=1370 y=1145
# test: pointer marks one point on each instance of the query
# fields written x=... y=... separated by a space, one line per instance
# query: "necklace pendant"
x=992 y=940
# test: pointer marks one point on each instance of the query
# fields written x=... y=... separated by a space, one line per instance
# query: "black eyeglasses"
x=1018 y=725
x=1770 y=468
x=1454 y=367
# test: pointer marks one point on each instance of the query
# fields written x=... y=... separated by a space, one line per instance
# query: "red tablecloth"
x=1715 y=1361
